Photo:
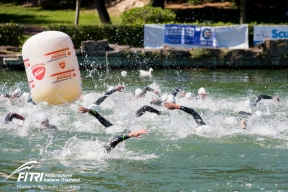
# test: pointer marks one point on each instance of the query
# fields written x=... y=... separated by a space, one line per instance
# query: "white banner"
x=272 y=32
x=189 y=36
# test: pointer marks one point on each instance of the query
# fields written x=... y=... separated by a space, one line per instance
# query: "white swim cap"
x=44 y=119
x=189 y=95
x=94 y=107
x=138 y=91
x=17 y=92
x=111 y=88
x=164 y=97
x=201 y=91
x=171 y=98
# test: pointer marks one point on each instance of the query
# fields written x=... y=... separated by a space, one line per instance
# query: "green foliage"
x=194 y=2
x=116 y=34
x=11 y=34
x=200 y=53
x=148 y=14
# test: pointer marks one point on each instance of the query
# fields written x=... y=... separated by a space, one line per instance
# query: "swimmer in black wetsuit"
x=44 y=123
x=243 y=123
x=196 y=116
x=94 y=113
x=15 y=94
x=10 y=116
x=119 y=138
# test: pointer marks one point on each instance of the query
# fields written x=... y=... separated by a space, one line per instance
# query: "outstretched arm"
x=101 y=119
x=266 y=97
x=145 y=108
x=9 y=117
x=150 y=89
x=119 y=138
x=101 y=99
x=188 y=110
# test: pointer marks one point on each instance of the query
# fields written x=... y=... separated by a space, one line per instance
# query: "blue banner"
x=191 y=35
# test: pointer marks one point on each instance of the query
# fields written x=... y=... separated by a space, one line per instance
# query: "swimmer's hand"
x=171 y=106
x=138 y=133
x=83 y=110
x=277 y=98
x=119 y=87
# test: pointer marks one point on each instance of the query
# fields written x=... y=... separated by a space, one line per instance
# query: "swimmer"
x=145 y=108
x=44 y=122
x=119 y=138
x=196 y=116
x=10 y=116
x=247 y=103
x=15 y=94
x=94 y=113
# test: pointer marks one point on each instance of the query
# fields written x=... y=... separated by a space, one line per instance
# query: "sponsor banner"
x=35 y=180
x=59 y=54
x=192 y=35
x=187 y=36
x=272 y=32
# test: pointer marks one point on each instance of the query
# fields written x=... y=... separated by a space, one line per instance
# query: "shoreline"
x=268 y=55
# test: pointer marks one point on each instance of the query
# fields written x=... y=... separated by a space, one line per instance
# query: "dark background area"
x=259 y=11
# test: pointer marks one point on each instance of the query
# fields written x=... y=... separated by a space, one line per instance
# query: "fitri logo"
x=27 y=176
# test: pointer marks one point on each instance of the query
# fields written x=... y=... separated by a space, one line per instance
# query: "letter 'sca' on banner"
x=190 y=35
x=272 y=32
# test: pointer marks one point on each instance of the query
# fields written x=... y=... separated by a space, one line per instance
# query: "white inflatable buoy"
x=52 y=68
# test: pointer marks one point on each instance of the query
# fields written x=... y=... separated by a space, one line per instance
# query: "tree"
x=158 y=3
x=102 y=11
x=78 y=2
x=242 y=11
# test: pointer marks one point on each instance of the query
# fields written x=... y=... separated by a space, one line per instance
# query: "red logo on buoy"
x=39 y=72
x=62 y=64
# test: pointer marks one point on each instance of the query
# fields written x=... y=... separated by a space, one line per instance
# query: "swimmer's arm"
x=119 y=138
x=266 y=97
x=175 y=91
x=101 y=99
x=11 y=116
x=101 y=119
x=150 y=89
x=145 y=108
x=188 y=110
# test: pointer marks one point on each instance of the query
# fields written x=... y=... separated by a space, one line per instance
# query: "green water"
x=175 y=154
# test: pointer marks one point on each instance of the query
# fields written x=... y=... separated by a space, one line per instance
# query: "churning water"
x=175 y=154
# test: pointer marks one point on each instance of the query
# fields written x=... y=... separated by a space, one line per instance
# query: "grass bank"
x=42 y=18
